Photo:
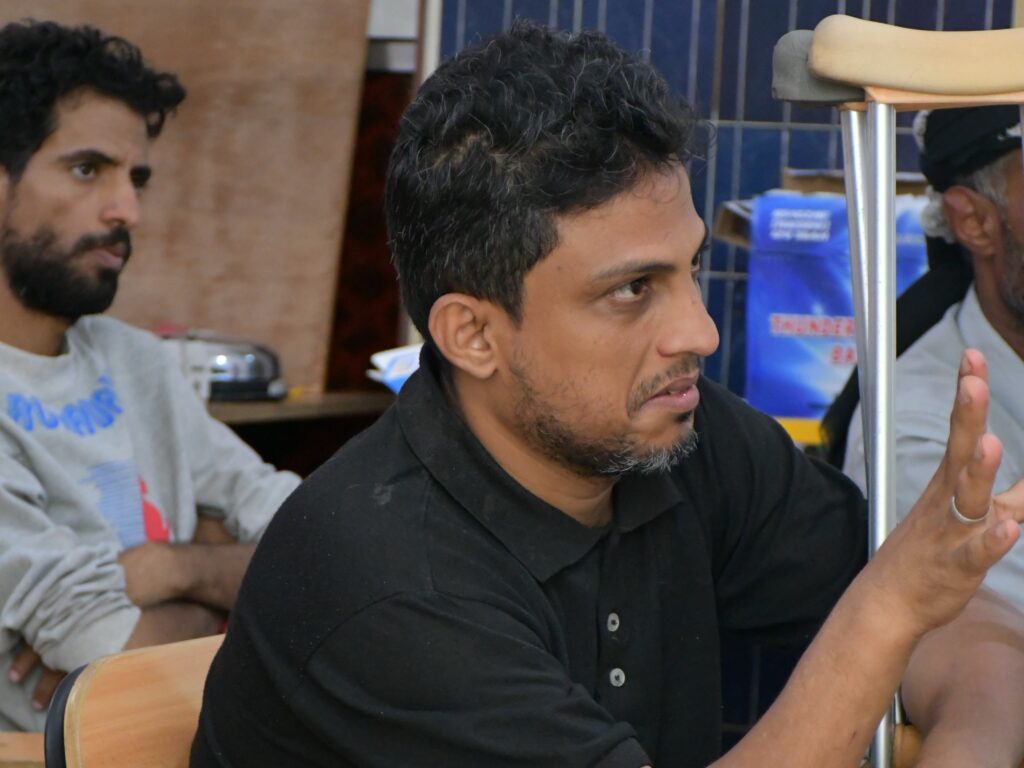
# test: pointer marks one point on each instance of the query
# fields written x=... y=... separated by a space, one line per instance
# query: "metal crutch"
x=869 y=71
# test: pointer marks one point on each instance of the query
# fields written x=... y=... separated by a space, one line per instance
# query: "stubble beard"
x=547 y=431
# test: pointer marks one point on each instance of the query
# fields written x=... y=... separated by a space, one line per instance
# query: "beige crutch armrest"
x=867 y=53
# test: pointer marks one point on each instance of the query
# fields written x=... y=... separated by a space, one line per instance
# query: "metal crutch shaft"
x=881 y=349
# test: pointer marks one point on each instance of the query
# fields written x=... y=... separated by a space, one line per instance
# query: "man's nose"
x=123 y=207
x=691 y=329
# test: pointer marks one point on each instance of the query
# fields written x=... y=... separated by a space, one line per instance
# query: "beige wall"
x=242 y=222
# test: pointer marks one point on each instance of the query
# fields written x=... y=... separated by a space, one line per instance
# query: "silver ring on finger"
x=961 y=517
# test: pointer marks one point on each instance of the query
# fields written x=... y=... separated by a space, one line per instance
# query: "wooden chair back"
x=138 y=708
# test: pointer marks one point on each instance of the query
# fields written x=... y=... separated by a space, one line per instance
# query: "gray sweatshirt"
x=101 y=448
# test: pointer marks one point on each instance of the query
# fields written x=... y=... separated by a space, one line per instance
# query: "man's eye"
x=83 y=171
x=632 y=290
x=698 y=260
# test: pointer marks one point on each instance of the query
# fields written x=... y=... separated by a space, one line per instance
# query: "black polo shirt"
x=412 y=605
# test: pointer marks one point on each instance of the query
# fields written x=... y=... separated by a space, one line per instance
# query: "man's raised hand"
x=933 y=562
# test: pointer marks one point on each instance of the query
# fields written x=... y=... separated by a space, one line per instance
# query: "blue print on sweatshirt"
x=82 y=417
x=120 y=500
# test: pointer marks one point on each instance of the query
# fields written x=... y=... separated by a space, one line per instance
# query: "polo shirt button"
x=613 y=622
x=617 y=678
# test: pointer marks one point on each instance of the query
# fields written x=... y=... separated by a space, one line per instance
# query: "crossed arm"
x=209 y=574
x=183 y=590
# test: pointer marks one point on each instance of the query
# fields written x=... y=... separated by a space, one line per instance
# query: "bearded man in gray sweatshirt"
x=105 y=451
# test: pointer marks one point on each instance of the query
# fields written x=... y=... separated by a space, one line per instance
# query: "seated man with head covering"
x=975 y=219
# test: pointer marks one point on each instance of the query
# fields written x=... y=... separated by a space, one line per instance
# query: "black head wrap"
x=958 y=142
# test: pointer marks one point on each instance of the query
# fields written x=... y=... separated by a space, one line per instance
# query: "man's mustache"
x=686 y=367
x=118 y=236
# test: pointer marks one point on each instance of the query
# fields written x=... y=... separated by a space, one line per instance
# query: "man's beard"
x=545 y=429
x=1011 y=287
x=44 y=277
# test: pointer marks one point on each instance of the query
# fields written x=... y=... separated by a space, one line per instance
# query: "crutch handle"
x=866 y=53
x=793 y=81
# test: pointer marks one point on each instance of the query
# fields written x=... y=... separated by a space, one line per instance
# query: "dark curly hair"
x=507 y=135
x=40 y=62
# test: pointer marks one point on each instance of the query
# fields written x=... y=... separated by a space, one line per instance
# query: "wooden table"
x=303 y=406
x=21 y=750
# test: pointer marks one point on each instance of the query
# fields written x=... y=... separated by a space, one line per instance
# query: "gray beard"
x=654 y=461
x=546 y=432
x=1011 y=287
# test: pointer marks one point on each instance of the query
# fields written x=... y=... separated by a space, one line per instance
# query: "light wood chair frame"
x=138 y=708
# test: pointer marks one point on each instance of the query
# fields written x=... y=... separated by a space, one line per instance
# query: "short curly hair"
x=504 y=137
x=41 y=62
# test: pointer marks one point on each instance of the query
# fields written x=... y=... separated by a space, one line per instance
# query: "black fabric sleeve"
x=426 y=679
x=789 y=532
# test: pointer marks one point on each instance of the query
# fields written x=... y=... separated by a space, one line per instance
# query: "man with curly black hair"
x=528 y=560
x=105 y=451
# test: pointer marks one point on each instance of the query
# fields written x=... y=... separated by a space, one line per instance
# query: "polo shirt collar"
x=544 y=539
x=977 y=332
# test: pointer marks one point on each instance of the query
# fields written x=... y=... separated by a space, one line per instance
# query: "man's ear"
x=460 y=327
x=974 y=220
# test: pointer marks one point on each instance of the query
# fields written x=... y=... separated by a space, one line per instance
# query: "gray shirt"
x=926 y=376
x=102 y=448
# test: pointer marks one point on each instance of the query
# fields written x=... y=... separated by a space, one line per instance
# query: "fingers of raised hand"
x=1009 y=505
x=966 y=425
x=973 y=363
x=45 y=687
x=972 y=493
x=987 y=546
x=22 y=664
x=1005 y=511
x=991 y=539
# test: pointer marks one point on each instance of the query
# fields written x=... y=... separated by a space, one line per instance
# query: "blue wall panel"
x=707 y=49
x=913 y=13
x=592 y=14
x=1002 y=14
x=810 y=149
x=764 y=25
x=964 y=16
x=625 y=23
x=730 y=55
x=671 y=34
x=760 y=150
x=482 y=18
x=566 y=13
x=538 y=10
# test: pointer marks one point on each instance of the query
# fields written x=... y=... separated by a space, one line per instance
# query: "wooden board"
x=21 y=750
x=242 y=222
x=317 y=405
